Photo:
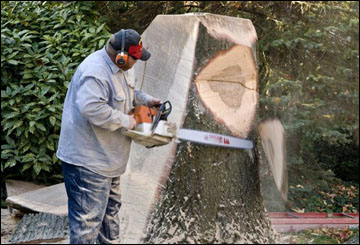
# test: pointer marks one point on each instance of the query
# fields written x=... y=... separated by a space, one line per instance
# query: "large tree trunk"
x=213 y=193
x=205 y=65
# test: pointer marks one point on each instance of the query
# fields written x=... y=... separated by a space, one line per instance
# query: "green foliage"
x=131 y=14
x=41 y=45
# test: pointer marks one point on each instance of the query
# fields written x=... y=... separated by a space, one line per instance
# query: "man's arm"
x=142 y=98
x=92 y=101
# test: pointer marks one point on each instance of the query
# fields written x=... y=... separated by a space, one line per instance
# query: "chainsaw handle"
x=162 y=114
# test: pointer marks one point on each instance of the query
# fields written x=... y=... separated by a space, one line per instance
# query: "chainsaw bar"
x=213 y=139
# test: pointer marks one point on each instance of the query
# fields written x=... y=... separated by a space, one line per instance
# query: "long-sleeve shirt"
x=95 y=111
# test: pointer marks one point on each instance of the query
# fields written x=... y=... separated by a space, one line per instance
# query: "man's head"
x=125 y=48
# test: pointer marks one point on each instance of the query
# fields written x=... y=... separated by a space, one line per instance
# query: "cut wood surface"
x=272 y=136
x=227 y=86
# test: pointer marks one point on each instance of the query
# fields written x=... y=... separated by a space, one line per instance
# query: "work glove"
x=132 y=122
x=154 y=102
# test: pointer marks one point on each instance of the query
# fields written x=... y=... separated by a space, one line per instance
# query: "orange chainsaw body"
x=143 y=114
x=152 y=128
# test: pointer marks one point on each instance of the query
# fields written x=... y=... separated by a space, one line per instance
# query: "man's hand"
x=132 y=122
x=154 y=102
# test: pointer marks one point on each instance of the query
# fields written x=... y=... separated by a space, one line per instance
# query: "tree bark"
x=41 y=227
x=212 y=195
x=205 y=194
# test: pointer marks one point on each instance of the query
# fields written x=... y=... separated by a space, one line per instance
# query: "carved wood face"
x=227 y=86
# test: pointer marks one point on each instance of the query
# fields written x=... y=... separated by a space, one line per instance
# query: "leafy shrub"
x=42 y=43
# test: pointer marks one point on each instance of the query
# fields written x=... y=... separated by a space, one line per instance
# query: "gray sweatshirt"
x=95 y=111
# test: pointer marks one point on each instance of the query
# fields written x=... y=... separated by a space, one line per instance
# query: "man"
x=92 y=148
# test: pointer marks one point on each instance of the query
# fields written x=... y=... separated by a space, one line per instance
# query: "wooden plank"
x=310 y=215
x=286 y=222
x=315 y=221
x=300 y=227
x=17 y=187
x=52 y=199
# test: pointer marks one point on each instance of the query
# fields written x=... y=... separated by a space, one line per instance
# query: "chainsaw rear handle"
x=162 y=114
x=165 y=112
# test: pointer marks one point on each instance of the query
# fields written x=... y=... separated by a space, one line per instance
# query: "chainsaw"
x=153 y=129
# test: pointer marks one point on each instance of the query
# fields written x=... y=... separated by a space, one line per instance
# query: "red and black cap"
x=133 y=44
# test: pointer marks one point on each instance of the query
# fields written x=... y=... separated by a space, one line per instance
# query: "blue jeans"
x=94 y=202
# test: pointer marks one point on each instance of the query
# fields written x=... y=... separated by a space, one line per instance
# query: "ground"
x=8 y=225
x=316 y=236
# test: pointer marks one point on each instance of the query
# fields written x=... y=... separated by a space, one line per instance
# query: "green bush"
x=42 y=44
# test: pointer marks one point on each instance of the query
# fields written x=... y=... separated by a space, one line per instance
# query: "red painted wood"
x=315 y=221
x=289 y=221
x=309 y=215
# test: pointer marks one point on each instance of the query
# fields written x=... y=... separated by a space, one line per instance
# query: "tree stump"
x=189 y=193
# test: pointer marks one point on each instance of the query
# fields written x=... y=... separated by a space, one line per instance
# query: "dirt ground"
x=8 y=225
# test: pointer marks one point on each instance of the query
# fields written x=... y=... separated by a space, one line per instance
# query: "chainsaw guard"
x=142 y=135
